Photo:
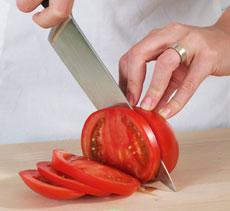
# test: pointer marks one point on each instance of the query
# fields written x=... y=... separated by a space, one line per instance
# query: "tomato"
x=133 y=141
x=94 y=174
x=165 y=137
x=37 y=183
x=121 y=138
x=46 y=170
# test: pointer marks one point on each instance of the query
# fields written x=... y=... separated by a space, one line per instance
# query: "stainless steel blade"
x=89 y=71
x=164 y=176
x=86 y=67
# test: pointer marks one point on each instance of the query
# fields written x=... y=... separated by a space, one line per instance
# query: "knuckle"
x=60 y=14
x=135 y=51
x=174 y=82
x=154 y=92
x=132 y=86
x=23 y=6
x=175 y=26
x=188 y=86
x=167 y=61
x=123 y=61
x=176 y=104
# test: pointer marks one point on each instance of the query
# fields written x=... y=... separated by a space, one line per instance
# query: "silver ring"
x=180 y=50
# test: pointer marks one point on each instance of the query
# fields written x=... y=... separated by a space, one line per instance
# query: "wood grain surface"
x=202 y=178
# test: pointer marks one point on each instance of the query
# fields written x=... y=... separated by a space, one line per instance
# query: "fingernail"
x=146 y=103
x=165 y=112
x=130 y=98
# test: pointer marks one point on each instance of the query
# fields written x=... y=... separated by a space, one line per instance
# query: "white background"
x=39 y=99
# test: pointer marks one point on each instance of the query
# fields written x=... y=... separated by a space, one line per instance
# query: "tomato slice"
x=94 y=174
x=40 y=185
x=121 y=138
x=165 y=136
x=49 y=173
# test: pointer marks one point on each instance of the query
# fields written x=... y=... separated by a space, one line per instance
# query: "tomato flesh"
x=47 y=171
x=94 y=174
x=44 y=187
x=165 y=136
x=127 y=140
x=137 y=144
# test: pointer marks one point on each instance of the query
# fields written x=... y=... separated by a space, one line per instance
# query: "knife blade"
x=164 y=177
x=88 y=70
x=86 y=67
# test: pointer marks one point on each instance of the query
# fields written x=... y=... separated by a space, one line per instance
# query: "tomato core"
x=96 y=142
x=137 y=144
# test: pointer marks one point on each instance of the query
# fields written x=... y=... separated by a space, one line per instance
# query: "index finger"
x=166 y=63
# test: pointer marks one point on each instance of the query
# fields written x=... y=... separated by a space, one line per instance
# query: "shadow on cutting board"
x=15 y=194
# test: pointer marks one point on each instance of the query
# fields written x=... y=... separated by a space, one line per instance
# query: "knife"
x=80 y=58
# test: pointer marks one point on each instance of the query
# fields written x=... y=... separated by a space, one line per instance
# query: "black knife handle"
x=45 y=3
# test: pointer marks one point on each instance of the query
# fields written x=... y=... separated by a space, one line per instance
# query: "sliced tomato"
x=121 y=138
x=94 y=174
x=40 y=185
x=165 y=136
x=46 y=170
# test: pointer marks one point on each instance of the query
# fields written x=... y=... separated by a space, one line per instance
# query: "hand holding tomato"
x=207 y=54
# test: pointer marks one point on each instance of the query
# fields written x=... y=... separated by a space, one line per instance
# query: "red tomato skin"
x=165 y=136
x=87 y=134
x=32 y=179
x=83 y=175
x=51 y=174
x=114 y=141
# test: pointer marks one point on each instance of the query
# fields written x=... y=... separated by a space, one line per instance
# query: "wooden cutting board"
x=202 y=178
